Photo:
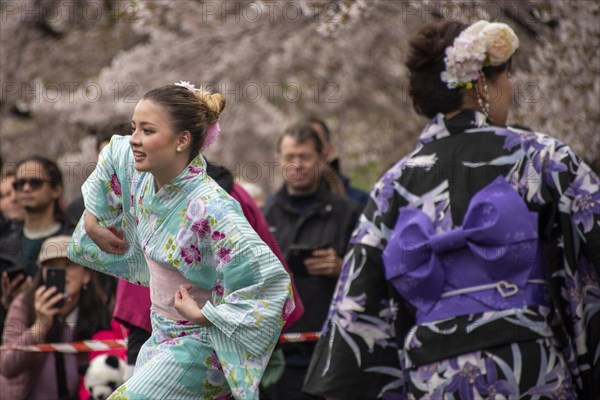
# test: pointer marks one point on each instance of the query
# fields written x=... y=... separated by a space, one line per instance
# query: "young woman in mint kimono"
x=154 y=217
x=473 y=272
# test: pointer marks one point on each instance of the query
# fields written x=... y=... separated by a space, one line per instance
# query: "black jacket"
x=327 y=219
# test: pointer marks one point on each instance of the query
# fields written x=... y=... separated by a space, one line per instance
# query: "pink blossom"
x=191 y=254
x=218 y=235
x=202 y=228
x=214 y=362
x=288 y=307
x=218 y=289
x=224 y=254
x=212 y=131
x=195 y=170
x=223 y=395
x=115 y=184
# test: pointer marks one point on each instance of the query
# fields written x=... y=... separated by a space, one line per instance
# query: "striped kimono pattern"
x=193 y=226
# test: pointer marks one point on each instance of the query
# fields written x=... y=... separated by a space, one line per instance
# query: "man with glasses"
x=312 y=226
x=39 y=186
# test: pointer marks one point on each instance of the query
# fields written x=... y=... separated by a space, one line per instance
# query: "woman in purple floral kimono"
x=154 y=217
x=474 y=270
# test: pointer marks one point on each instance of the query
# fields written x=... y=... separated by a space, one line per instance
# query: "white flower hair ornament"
x=212 y=131
x=481 y=45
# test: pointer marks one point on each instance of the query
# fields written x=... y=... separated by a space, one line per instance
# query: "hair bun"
x=427 y=49
x=214 y=102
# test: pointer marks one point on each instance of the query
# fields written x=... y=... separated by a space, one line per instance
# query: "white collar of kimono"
x=436 y=128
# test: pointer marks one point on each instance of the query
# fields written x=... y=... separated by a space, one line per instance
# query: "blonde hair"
x=192 y=111
x=214 y=103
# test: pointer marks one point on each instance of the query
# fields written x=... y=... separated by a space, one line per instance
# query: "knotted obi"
x=492 y=262
x=164 y=283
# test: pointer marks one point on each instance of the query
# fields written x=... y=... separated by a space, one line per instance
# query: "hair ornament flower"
x=188 y=85
x=480 y=45
x=212 y=131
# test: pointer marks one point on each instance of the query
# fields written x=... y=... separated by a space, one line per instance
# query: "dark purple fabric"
x=496 y=242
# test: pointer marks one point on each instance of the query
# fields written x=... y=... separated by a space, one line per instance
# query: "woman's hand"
x=11 y=289
x=186 y=306
x=44 y=303
x=324 y=262
x=110 y=240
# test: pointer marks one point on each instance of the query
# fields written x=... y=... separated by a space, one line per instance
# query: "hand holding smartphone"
x=296 y=255
x=56 y=277
x=14 y=272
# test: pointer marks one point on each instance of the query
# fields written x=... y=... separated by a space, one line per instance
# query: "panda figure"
x=104 y=375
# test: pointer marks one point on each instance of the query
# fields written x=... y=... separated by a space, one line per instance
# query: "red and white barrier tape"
x=101 y=345
x=74 y=347
x=299 y=337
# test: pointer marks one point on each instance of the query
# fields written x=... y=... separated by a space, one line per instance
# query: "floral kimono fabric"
x=195 y=228
x=522 y=322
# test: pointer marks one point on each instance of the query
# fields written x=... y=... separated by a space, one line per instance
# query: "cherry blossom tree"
x=278 y=61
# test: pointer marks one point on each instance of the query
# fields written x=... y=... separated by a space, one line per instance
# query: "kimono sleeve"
x=253 y=297
x=578 y=188
x=576 y=191
x=107 y=195
x=357 y=356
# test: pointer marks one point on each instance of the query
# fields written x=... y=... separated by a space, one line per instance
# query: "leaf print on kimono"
x=384 y=189
x=530 y=183
x=170 y=249
x=367 y=233
x=399 y=382
x=550 y=163
x=514 y=137
x=215 y=384
x=467 y=376
x=344 y=313
x=582 y=199
x=435 y=129
x=426 y=162
x=433 y=203
x=120 y=394
x=555 y=384
x=493 y=387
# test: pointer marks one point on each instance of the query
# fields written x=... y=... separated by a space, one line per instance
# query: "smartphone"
x=297 y=254
x=56 y=277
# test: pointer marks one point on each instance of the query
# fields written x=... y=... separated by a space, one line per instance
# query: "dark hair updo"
x=427 y=49
x=189 y=111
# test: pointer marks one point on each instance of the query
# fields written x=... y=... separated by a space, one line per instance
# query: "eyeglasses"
x=34 y=183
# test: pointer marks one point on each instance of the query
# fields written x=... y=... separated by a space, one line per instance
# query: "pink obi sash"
x=164 y=283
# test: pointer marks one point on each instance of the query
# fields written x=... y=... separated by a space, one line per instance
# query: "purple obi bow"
x=497 y=242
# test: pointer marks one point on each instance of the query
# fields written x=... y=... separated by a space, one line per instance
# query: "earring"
x=179 y=149
x=84 y=287
x=484 y=105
